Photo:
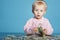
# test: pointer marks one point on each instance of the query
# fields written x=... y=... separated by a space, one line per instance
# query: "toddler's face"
x=39 y=11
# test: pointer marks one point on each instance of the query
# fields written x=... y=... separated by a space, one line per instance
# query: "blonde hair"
x=38 y=2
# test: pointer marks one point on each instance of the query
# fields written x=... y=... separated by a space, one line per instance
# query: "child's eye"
x=36 y=10
x=41 y=10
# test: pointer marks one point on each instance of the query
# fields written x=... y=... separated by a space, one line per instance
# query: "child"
x=38 y=9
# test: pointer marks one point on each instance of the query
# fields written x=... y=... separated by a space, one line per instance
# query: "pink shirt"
x=43 y=22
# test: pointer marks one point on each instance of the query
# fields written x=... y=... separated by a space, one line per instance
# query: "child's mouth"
x=38 y=15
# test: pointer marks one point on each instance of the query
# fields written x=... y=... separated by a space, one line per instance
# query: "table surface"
x=22 y=36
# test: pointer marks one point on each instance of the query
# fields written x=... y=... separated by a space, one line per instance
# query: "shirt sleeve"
x=48 y=27
x=27 y=27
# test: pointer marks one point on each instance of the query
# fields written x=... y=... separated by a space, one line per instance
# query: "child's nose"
x=38 y=12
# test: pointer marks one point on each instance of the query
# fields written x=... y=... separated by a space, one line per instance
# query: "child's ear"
x=45 y=10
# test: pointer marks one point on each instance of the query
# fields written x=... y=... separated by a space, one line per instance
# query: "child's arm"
x=27 y=27
x=49 y=29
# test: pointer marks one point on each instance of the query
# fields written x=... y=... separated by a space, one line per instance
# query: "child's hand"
x=29 y=31
x=45 y=31
x=35 y=29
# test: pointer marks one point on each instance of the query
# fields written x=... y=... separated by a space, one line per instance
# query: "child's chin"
x=38 y=17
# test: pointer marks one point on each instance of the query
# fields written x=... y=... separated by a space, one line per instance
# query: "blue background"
x=15 y=13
